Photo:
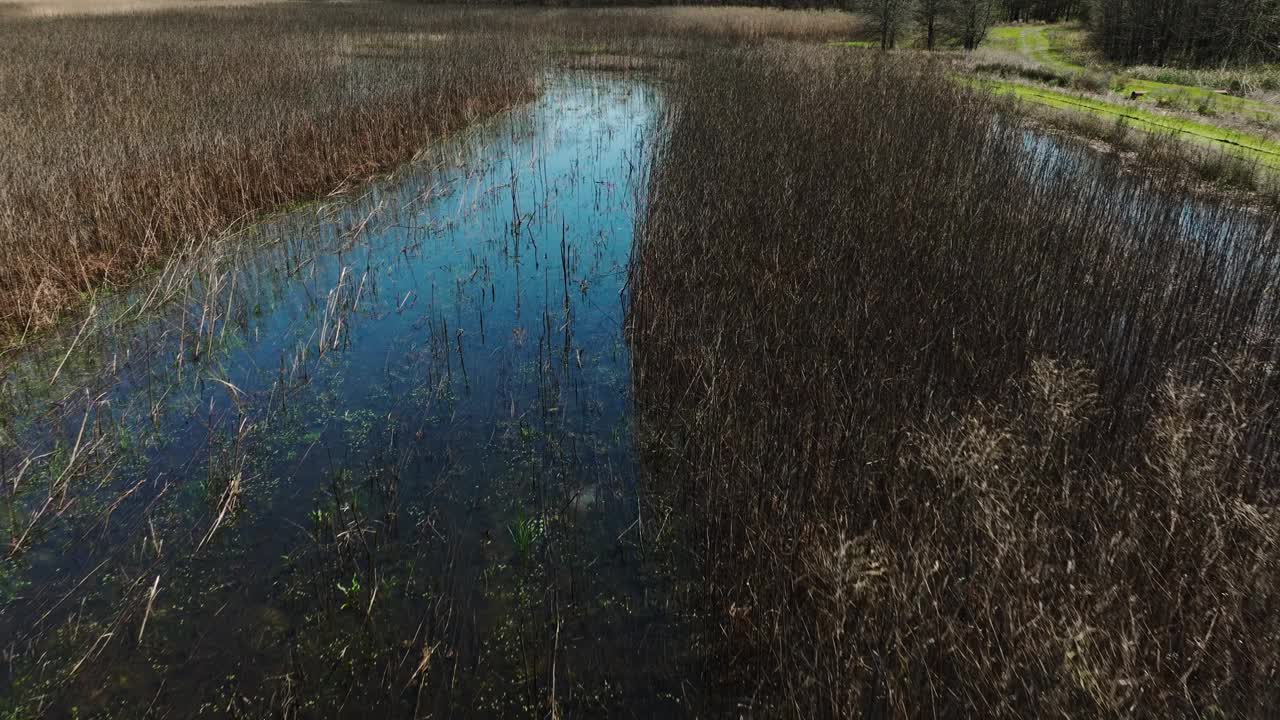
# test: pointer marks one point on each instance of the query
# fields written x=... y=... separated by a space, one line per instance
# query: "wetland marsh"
x=664 y=362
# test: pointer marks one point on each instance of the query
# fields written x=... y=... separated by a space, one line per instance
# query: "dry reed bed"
x=718 y=24
x=126 y=137
x=102 y=7
x=953 y=433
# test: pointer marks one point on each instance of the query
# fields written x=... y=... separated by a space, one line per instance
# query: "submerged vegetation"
x=959 y=423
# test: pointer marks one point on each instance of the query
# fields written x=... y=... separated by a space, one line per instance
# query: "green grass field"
x=1252 y=147
x=1041 y=43
x=1057 y=48
x=856 y=43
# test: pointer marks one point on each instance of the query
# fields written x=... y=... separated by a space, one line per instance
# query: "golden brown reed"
x=125 y=137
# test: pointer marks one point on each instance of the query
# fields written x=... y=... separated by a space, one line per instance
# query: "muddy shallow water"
x=373 y=457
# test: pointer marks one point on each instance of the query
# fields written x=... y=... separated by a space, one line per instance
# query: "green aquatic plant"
x=527 y=434
x=350 y=592
x=11 y=582
x=524 y=532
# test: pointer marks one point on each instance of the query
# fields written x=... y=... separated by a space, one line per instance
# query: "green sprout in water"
x=524 y=533
x=350 y=591
x=319 y=518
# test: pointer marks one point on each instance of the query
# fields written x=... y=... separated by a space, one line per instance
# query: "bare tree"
x=971 y=20
x=891 y=17
x=929 y=14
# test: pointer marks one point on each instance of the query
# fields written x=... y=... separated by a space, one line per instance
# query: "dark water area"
x=374 y=457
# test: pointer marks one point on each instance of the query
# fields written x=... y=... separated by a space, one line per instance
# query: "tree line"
x=964 y=22
x=1158 y=32
x=1194 y=32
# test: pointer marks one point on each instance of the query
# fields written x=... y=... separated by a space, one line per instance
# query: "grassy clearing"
x=959 y=427
x=1060 y=50
x=864 y=44
x=1035 y=43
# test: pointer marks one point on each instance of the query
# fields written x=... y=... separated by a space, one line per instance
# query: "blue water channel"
x=373 y=456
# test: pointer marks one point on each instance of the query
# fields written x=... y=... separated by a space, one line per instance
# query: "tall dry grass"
x=959 y=424
x=734 y=24
x=122 y=138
